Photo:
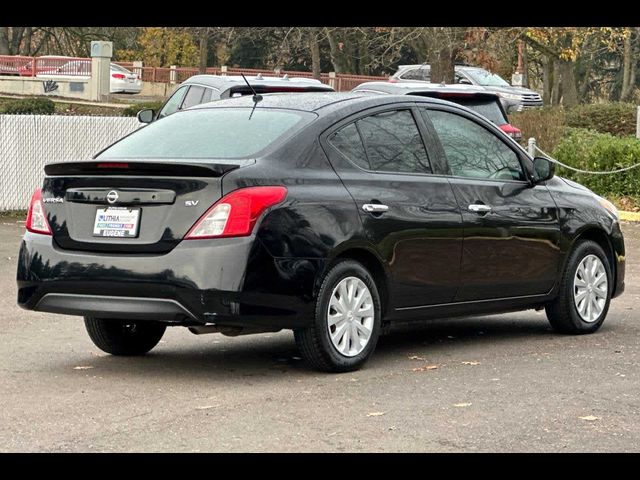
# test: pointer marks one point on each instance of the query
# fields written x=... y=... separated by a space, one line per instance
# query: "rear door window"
x=421 y=74
x=348 y=142
x=193 y=97
x=206 y=97
x=393 y=143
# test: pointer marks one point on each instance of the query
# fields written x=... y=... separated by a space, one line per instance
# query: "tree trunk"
x=555 y=90
x=442 y=68
x=314 y=47
x=336 y=54
x=26 y=46
x=628 y=69
x=547 y=79
x=16 y=39
x=569 y=90
x=203 y=39
x=4 y=40
x=525 y=66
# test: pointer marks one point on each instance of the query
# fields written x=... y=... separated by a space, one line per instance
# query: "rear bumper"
x=232 y=281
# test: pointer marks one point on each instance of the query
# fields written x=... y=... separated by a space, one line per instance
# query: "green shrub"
x=132 y=110
x=615 y=118
x=30 y=106
x=590 y=150
x=546 y=125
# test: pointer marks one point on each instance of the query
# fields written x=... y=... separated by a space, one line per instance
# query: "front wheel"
x=584 y=293
x=347 y=320
x=124 y=337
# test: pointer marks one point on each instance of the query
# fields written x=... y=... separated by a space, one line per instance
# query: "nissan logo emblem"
x=112 y=196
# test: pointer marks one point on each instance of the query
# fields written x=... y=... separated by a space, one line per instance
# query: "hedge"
x=132 y=110
x=30 y=106
x=615 y=118
x=546 y=125
x=590 y=150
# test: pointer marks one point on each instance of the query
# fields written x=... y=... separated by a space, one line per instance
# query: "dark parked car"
x=330 y=214
x=206 y=88
x=512 y=98
x=475 y=98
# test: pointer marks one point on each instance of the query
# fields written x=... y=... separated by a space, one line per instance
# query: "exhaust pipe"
x=230 y=331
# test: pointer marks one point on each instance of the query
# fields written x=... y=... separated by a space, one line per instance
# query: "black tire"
x=124 y=337
x=562 y=312
x=314 y=342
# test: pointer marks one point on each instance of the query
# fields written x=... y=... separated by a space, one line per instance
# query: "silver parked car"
x=512 y=98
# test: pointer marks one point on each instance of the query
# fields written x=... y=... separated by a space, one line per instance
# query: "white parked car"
x=121 y=81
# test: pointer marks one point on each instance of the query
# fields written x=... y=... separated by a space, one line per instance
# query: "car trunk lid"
x=129 y=206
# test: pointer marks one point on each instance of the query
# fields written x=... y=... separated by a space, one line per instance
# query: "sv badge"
x=191 y=203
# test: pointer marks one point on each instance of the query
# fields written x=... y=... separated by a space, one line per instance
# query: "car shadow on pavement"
x=261 y=357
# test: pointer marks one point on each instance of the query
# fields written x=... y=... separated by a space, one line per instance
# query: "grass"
x=64 y=108
x=13 y=215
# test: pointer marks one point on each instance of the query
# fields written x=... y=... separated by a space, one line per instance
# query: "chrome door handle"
x=479 y=208
x=374 y=208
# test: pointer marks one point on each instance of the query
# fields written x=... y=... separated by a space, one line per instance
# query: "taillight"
x=36 y=218
x=235 y=214
x=118 y=75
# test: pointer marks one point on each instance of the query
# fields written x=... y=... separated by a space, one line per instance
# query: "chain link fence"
x=28 y=142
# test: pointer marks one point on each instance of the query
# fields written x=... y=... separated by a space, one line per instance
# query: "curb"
x=629 y=216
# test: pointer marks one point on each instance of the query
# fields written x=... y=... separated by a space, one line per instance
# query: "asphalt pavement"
x=492 y=383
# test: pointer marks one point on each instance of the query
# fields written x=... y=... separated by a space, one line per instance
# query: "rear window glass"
x=489 y=109
x=209 y=134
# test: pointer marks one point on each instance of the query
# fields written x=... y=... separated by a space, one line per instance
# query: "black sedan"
x=330 y=214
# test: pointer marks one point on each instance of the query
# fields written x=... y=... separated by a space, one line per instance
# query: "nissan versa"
x=330 y=214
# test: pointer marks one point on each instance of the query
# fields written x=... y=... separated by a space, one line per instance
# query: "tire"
x=563 y=313
x=342 y=354
x=124 y=337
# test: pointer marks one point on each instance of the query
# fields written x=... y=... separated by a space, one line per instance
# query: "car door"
x=408 y=211
x=511 y=229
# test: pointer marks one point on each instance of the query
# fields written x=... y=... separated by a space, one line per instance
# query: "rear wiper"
x=256 y=98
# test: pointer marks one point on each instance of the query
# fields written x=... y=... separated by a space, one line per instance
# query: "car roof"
x=316 y=102
x=223 y=82
x=458 y=67
x=408 y=88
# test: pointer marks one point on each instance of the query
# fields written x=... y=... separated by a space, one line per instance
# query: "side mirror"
x=146 y=115
x=543 y=169
x=464 y=81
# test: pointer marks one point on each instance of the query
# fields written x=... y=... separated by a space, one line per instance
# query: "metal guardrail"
x=19 y=66
x=16 y=65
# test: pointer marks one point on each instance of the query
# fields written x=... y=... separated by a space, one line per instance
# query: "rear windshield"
x=209 y=134
x=487 y=108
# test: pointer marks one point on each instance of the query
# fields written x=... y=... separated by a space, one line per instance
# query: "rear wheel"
x=124 y=337
x=585 y=291
x=347 y=320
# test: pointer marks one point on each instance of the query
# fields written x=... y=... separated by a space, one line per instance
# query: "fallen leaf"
x=471 y=363
x=589 y=418
x=425 y=368
x=83 y=367
x=416 y=357
x=375 y=414
x=461 y=404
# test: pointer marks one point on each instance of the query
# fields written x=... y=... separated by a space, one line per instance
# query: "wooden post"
x=332 y=80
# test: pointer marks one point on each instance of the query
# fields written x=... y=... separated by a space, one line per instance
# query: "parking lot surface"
x=492 y=383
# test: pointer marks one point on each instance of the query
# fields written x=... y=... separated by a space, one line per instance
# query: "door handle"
x=479 y=208
x=375 y=208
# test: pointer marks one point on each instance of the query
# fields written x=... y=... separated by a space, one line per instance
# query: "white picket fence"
x=29 y=142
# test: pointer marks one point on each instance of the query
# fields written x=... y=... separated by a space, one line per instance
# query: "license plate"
x=117 y=222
